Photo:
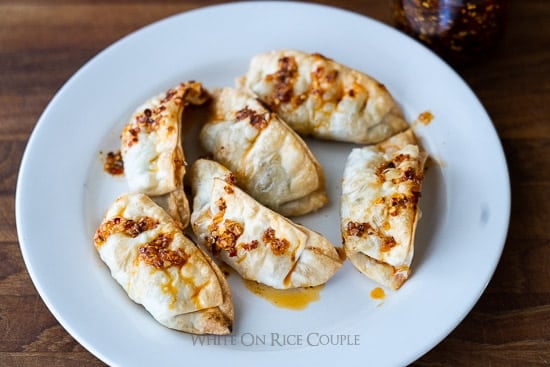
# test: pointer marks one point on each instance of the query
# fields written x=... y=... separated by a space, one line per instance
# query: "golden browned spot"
x=296 y=101
x=212 y=227
x=382 y=169
x=143 y=122
x=194 y=93
x=284 y=79
x=381 y=86
x=278 y=245
x=318 y=55
x=395 y=162
x=156 y=253
x=249 y=245
x=190 y=92
x=398 y=159
x=113 y=163
x=221 y=205
x=258 y=120
x=128 y=227
x=380 y=200
x=399 y=201
x=357 y=90
x=228 y=189
x=388 y=242
x=322 y=80
x=147 y=121
x=134 y=132
x=409 y=174
x=230 y=178
x=224 y=236
x=356 y=229
x=170 y=94
x=331 y=76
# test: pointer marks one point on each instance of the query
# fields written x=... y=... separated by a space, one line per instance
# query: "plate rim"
x=25 y=248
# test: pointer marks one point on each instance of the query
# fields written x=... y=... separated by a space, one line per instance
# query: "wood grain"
x=43 y=44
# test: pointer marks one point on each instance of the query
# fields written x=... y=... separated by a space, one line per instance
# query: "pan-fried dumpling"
x=154 y=161
x=270 y=161
x=162 y=269
x=175 y=203
x=379 y=209
x=317 y=96
x=258 y=243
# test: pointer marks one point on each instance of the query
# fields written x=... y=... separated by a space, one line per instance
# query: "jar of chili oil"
x=458 y=30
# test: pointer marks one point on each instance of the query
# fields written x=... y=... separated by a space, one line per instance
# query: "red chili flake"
x=113 y=163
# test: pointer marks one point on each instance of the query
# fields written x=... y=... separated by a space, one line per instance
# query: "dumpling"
x=379 y=208
x=258 y=243
x=154 y=161
x=162 y=269
x=317 y=96
x=270 y=161
x=175 y=203
x=151 y=142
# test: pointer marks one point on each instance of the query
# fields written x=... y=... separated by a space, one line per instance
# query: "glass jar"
x=458 y=30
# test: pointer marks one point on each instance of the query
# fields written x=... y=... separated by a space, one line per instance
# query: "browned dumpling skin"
x=258 y=243
x=162 y=269
x=151 y=147
x=380 y=207
x=318 y=96
x=270 y=161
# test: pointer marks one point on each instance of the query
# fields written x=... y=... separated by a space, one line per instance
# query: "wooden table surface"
x=42 y=43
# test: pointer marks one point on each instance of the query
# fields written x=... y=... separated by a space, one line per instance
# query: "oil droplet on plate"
x=293 y=299
x=425 y=118
x=378 y=293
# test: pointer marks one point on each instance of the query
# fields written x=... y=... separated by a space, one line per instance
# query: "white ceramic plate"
x=62 y=193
